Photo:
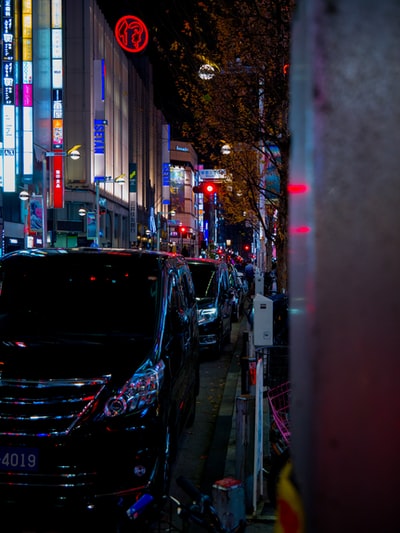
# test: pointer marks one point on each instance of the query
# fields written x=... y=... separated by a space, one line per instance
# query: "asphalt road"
x=198 y=449
x=204 y=447
x=207 y=452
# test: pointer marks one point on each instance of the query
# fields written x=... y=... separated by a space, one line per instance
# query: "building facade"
x=185 y=226
x=68 y=88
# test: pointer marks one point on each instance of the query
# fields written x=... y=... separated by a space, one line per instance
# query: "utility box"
x=259 y=283
x=228 y=500
x=263 y=326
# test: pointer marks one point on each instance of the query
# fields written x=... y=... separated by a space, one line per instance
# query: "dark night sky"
x=164 y=18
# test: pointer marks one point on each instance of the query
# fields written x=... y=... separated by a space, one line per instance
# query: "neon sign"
x=131 y=34
x=57 y=136
x=7 y=30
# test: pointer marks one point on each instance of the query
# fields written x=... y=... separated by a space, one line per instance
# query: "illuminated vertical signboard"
x=8 y=100
x=166 y=200
x=166 y=183
x=99 y=124
x=177 y=189
x=133 y=202
x=26 y=90
x=57 y=159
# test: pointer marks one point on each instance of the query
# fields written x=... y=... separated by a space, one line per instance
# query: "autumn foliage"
x=241 y=101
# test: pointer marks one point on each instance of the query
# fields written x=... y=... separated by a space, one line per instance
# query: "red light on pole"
x=183 y=230
x=297 y=188
x=205 y=188
x=210 y=188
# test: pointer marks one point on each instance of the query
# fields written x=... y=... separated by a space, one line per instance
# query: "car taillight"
x=138 y=393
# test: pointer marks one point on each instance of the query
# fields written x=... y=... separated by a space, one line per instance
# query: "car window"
x=233 y=278
x=205 y=279
x=187 y=287
x=94 y=293
x=224 y=280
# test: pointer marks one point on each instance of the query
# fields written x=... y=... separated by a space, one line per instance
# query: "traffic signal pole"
x=208 y=189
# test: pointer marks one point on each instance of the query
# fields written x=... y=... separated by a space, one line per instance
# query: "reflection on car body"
x=98 y=373
x=237 y=292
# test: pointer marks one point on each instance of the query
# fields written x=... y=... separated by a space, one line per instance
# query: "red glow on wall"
x=58 y=181
x=300 y=229
x=131 y=34
x=297 y=188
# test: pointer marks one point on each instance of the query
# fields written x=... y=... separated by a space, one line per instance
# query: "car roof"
x=205 y=260
x=50 y=252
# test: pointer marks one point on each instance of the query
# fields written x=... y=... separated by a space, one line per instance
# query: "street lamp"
x=226 y=149
x=121 y=180
x=208 y=70
x=24 y=197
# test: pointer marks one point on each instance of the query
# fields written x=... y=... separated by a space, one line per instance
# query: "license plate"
x=19 y=459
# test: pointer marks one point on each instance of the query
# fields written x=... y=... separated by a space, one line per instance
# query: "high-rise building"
x=69 y=88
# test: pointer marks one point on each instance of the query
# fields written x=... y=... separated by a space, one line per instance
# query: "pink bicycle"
x=279 y=435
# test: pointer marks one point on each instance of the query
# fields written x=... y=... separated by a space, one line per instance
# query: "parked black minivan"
x=214 y=301
x=99 y=353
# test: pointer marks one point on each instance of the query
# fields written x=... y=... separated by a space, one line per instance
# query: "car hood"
x=206 y=303
x=45 y=355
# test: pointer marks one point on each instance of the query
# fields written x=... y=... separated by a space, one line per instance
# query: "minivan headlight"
x=207 y=315
x=139 y=393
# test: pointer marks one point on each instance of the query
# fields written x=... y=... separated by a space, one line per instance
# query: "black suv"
x=98 y=373
x=214 y=301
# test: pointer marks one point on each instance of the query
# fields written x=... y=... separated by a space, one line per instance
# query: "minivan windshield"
x=104 y=293
x=204 y=277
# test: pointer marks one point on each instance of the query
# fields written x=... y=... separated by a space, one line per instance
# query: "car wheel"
x=161 y=487
x=221 y=343
x=227 y=338
x=237 y=312
x=193 y=398
x=167 y=459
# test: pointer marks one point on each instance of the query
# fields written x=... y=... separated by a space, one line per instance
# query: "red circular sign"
x=131 y=34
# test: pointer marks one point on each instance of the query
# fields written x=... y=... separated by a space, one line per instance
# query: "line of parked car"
x=219 y=295
x=99 y=372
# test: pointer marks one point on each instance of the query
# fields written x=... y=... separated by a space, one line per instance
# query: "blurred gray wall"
x=344 y=263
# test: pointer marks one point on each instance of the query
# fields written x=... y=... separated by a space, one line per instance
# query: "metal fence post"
x=245 y=426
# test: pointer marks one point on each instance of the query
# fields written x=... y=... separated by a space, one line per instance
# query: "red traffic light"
x=182 y=229
x=205 y=188
x=210 y=188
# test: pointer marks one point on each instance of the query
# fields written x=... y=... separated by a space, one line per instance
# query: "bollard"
x=228 y=499
x=245 y=426
x=248 y=363
x=244 y=365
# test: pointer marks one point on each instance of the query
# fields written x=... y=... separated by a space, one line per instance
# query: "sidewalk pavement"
x=263 y=518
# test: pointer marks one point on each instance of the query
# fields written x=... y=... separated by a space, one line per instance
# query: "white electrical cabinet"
x=259 y=283
x=263 y=327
